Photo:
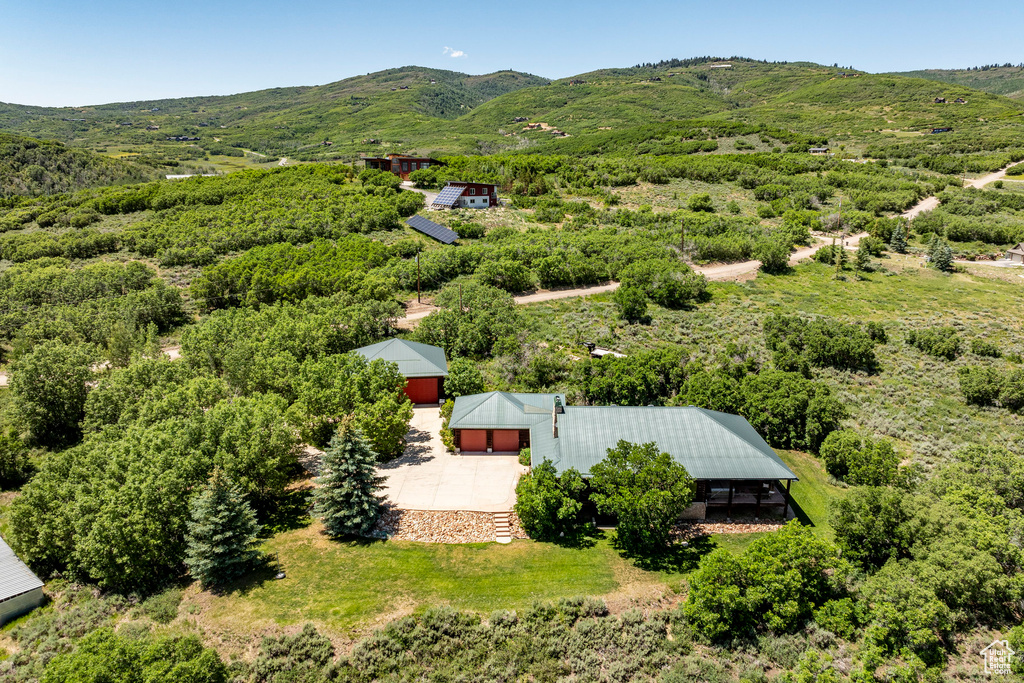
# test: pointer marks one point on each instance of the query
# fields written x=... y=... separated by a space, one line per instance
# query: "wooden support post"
x=785 y=508
x=757 y=513
x=728 y=510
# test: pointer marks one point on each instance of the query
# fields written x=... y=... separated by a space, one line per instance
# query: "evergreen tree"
x=346 y=495
x=942 y=257
x=222 y=534
x=863 y=257
x=898 y=240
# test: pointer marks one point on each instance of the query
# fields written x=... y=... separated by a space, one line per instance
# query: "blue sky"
x=57 y=52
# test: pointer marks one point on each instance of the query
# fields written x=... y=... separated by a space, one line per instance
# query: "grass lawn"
x=345 y=585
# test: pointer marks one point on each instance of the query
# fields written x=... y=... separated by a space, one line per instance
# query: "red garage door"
x=474 y=440
x=506 y=440
x=421 y=389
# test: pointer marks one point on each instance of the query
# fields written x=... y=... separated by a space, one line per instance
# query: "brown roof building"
x=400 y=164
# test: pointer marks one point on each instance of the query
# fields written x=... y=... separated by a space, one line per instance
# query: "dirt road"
x=724 y=271
x=429 y=194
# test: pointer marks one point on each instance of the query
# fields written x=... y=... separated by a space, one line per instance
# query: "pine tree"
x=942 y=257
x=346 y=497
x=898 y=240
x=222 y=534
x=863 y=259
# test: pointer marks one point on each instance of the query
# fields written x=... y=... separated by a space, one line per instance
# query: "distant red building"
x=399 y=164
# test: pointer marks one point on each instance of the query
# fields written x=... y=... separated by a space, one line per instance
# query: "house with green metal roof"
x=732 y=465
x=423 y=366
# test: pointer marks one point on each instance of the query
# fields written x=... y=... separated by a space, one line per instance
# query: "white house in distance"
x=20 y=590
x=463 y=195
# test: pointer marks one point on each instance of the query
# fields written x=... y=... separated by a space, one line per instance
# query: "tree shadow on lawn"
x=291 y=512
x=676 y=558
x=586 y=538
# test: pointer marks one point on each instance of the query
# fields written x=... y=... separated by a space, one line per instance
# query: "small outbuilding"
x=20 y=590
x=464 y=195
x=1016 y=254
x=423 y=366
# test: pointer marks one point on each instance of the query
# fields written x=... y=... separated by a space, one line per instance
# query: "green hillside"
x=1005 y=80
x=388 y=106
x=34 y=167
x=414 y=109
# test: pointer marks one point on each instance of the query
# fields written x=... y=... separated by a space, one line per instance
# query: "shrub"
x=447 y=438
x=469 y=230
x=773 y=253
x=983 y=347
x=549 y=505
x=789 y=410
x=506 y=274
x=979 y=385
x=15 y=466
x=859 y=461
x=700 y=202
x=668 y=283
x=774 y=586
x=464 y=378
x=822 y=341
x=524 y=457
x=839 y=617
x=631 y=302
x=941 y=342
x=871 y=527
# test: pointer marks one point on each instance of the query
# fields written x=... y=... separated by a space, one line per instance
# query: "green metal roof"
x=413 y=358
x=502 y=410
x=711 y=445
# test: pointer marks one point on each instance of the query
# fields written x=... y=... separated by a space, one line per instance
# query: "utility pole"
x=418 y=277
x=837 y=256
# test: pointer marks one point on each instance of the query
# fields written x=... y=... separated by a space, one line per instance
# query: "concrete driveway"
x=427 y=477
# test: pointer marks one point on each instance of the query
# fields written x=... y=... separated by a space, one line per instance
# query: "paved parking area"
x=427 y=477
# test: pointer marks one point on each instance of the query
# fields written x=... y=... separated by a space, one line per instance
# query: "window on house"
x=472 y=190
x=425 y=164
x=472 y=201
x=405 y=165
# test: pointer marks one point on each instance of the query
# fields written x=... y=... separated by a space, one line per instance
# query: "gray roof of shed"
x=710 y=444
x=15 y=577
x=413 y=358
x=502 y=410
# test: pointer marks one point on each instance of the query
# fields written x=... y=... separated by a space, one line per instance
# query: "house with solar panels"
x=20 y=590
x=423 y=366
x=733 y=466
x=463 y=195
x=399 y=164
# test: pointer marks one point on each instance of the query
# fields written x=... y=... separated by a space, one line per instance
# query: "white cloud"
x=453 y=53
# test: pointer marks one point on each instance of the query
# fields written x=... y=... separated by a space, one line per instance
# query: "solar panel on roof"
x=449 y=195
x=432 y=229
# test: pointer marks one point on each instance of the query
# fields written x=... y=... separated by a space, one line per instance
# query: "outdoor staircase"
x=502 y=530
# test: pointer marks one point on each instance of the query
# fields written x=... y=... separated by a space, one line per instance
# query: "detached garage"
x=20 y=590
x=423 y=366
